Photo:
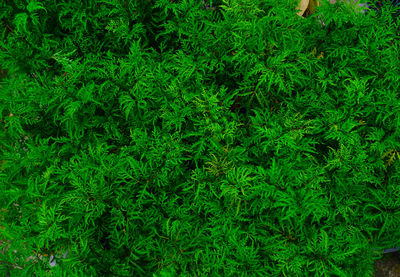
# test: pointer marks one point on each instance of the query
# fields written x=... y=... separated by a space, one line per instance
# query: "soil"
x=388 y=266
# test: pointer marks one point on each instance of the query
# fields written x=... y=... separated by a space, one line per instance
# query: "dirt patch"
x=388 y=266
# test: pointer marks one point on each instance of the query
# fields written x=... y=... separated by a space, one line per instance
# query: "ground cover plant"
x=188 y=138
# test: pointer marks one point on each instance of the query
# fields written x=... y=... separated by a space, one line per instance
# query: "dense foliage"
x=181 y=138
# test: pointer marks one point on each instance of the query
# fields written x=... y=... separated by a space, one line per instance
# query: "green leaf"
x=34 y=6
x=20 y=22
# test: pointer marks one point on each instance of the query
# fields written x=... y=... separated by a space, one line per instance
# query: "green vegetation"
x=173 y=138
